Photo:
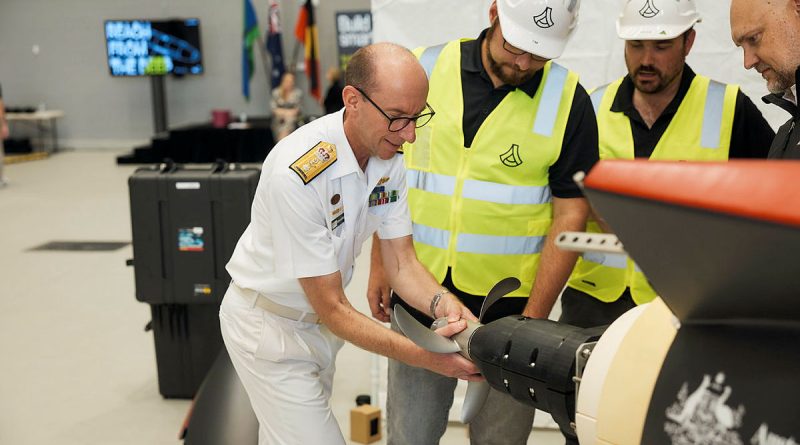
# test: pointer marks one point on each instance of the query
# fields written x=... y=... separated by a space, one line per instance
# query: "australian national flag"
x=274 y=44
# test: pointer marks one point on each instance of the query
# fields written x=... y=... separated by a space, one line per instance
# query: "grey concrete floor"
x=77 y=366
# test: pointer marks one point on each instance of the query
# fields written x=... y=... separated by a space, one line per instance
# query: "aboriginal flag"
x=306 y=32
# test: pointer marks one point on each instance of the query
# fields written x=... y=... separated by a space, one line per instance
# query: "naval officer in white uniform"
x=323 y=191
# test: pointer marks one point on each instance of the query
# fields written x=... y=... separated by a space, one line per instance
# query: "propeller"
x=477 y=392
x=422 y=336
x=499 y=290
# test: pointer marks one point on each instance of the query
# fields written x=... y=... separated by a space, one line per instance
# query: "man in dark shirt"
x=511 y=130
x=333 y=97
x=661 y=110
x=769 y=34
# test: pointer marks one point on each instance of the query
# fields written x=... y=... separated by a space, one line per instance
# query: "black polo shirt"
x=579 y=151
x=750 y=129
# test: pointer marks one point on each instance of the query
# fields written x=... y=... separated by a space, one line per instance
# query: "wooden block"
x=365 y=424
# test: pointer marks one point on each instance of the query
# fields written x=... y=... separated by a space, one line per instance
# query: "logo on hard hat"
x=545 y=19
x=649 y=10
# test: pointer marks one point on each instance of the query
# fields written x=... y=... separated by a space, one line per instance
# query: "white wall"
x=594 y=52
x=70 y=72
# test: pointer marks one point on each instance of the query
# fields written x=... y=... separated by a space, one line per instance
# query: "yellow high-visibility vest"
x=700 y=131
x=485 y=211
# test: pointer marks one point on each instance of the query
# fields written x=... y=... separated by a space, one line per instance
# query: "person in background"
x=769 y=34
x=286 y=100
x=3 y=136
x=660 y=110
x=333 y=97
x=490 y=188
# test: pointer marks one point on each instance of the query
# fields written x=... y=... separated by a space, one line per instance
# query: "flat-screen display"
x=153 y=47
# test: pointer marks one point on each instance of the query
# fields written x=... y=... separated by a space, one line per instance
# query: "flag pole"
x=295 y=51
x=267 y=66
x=297 y=42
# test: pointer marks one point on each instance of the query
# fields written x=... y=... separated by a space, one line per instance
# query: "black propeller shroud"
x=533 y=360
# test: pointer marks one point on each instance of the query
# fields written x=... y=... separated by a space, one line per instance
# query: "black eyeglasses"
x=398 y=123
x=518 y=52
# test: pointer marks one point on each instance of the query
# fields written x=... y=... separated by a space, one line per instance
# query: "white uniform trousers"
x=286 y=368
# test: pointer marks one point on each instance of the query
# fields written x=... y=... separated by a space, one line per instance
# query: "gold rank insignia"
x=314 y=161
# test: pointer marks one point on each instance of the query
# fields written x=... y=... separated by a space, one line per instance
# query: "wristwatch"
x=435 y=301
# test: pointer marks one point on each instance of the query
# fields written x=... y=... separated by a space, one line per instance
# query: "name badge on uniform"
x=337 y=214
x=380 y=196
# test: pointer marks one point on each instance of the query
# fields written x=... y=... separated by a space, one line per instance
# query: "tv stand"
x=159 y=104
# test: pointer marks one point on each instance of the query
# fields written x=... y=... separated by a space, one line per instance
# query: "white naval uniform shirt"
x=296 y=229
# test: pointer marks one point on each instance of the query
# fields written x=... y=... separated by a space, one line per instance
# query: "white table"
x=44 y=121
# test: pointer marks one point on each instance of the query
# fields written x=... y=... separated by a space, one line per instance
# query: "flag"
x=274 y=44
x=306 y=32
x=249 y=36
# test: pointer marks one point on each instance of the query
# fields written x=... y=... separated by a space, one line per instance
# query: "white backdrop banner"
x=594 y=52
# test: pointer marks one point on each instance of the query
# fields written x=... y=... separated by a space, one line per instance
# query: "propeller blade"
x=501 y=289
x=422 y=336
x=477 y=393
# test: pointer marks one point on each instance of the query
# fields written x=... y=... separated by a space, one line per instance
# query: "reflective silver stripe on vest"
x=506 y=194
x=429 y=56
x=431 y=236
x=712 y=118
x=551 y=99
x=479 y=190
x=499 y=245
x=431 y=182
x=613 y=260
x=480 y=244
x=597 y=97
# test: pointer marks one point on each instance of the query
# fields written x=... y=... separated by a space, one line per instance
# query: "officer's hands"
x=456 y=365
x=379 y=293
x=452 y=365
x=451 y=328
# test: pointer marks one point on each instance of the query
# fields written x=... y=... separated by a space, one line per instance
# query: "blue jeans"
x=418 y=402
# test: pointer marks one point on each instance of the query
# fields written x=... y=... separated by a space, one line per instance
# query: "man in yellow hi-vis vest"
x=489 y=185
x=661 y=110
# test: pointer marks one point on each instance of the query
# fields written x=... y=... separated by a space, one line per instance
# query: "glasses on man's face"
x=518 y=52
x=398 y=123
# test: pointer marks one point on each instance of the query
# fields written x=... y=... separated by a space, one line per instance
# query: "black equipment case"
x=186 y=223
x=187 y=340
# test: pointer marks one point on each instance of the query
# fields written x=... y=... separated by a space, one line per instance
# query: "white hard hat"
x=656 y=19
x=540 y=27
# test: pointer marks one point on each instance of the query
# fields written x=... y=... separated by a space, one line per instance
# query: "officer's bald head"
x=384 y=83
x=373 y=67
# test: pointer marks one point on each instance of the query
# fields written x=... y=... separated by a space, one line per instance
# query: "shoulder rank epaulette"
x=314 y=161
